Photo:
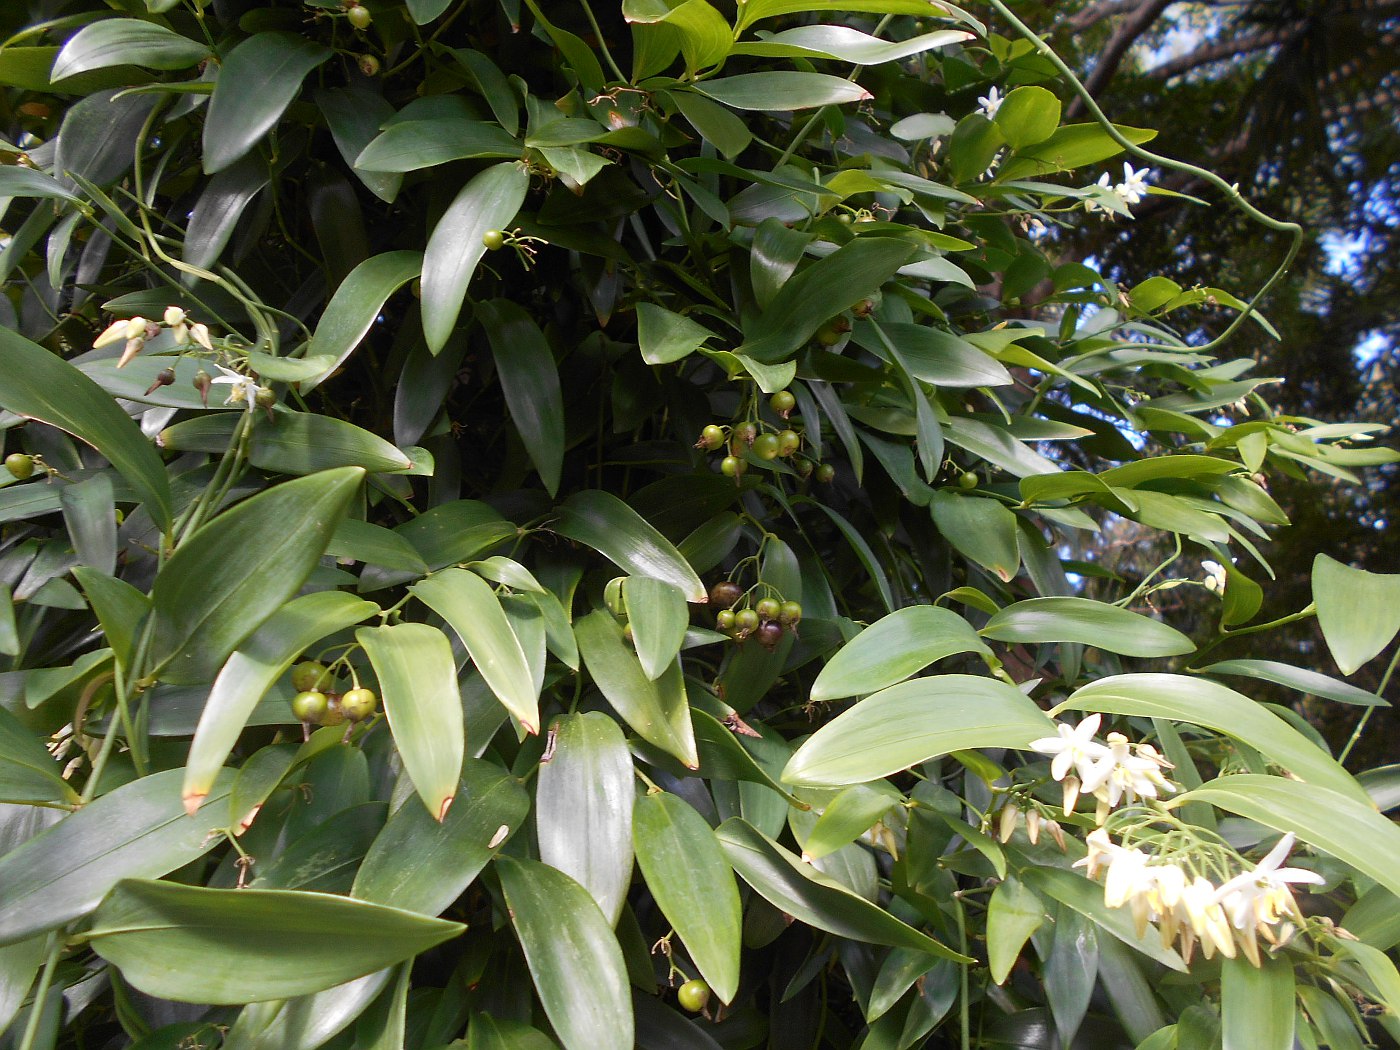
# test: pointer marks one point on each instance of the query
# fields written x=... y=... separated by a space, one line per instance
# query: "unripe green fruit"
x=309 y=705
x=359 y=704
x=732 y=466
x=693 y=995
x=612 y=596
x=826 y=473
x=970 y=480
x=359 y=17
x=712 y=437
x=493 y=240
x=20 y=465
x=789 y=441
x=746 y=432
x=768 y=608
x=828 y=335
x=766 y=446
x=310 y=674
x=782 y=402
x=724 y=620
x=790 y=614
x=746 y=620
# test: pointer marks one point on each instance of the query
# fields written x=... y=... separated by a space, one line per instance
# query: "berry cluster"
x=318 y=703
x=766 y=619
x=767 y=442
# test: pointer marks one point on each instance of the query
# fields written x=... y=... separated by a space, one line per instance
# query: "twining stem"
x=1366 y=715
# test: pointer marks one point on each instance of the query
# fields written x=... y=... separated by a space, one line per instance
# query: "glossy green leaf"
x=257 y=81
x=306 y=442
x=717 y=125
x=305 y=1021
x=705 y=34
x=910 y=723
x=455 y=532
x=201 y=945
x=657 y=614
x=9 y=628
x=447 y=856
x=139 y=830
x=1086 y=897
x=1028 y=115
x=583 y=808
x=1070 y=971
x=498 y=1033
x=375 y=545
x=471 y=608
x=530 y=379
x=799 y=890
x=250 y=671
x=1071 y=146
x=1349 y=829
x=416 y=144
x=573 y=957
x=1214 y=706
x=354 y=115
x=853 y=812
x=664 y=336
x=1013 y=914
x=755 y=10
x=1299 y=678
x=489 y=201
x=1088 y=622
x=206 y=598
x=118 y=605
x=16 y=181
x=936 y=356
x=657 y=710
x=355 y=305
x=845 y=44
x=1358 y=611
x=126 y=41
x=693 y=885
x=613 y=529
x=89 y=513
x=27 y=771
x=782 y=90
x=41 y=385
x=1256 y=1004
x=418 y=680
x=982 y=530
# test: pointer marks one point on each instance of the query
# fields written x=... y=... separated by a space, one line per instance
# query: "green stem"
x=1366 y=715
x=1126 y=602
x=41 y=992
x=602 y=44
x=1301 y=614
x=964 y=1007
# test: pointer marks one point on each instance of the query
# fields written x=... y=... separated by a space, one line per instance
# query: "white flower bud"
x=174 y=316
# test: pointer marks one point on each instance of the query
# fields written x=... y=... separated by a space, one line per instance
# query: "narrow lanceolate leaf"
x=192 y=944
x=659 y=710
x=1075 y=891
x=602 y=521
x=693 y=885
x=236 y=571
x=250 y=672
x=1358 y=611
x=489 y=202
x=1090 y=622
x=258 y=80
x=471 y=608
x=530 y=379
x=43 y=386
x=1338 y=824
x=910 y=723
x=799 y=890
x=306 y=1020
x=139 y=830
x=447 y=856
x=1299 y=678
x=1214 y=706
x=418 y=680
x=657 y=614
x=1257 y=1004
x=415 y=144
x=782 y=90
x=28 y=773
x=355 y=305
x=126 y=41
x=573 y=957
x=893 y=648
x=583 y=808
x=118 y=605
x=305 y=442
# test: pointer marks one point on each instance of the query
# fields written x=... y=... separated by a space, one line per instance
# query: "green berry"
x=20 y=465
x=309 y=705
x=712 y=437
x=359 y=704
x=826 y=473
x=724 y=621
x=789 y=441
x=612 y=596
x=493 y=240
x=746 y=432
x=310 y=674
x=693 y=995
x=768 y=608
x=970 y=480
x=732 y=466
x=358 y=16
x=790 y=614
x=745 y=620
x=782 y=402
x=766 y=446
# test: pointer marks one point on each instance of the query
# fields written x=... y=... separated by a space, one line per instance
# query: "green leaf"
x=355 y=305
x=307 y=442
x=1086 y=897
x=782 y=90
x=236 y=571
x=139 y=830
x=257 y=81
x=657 y=614
x=119 y=608
x=853 y=812
x=251 y=670
x=1299 y=678
x=1256 y=1004
x=692 y=884
x=305 y=1021
x=455 y=532
x=489 y=201
x=27 y=771
x=471 y=608
x=1358 y=611
x=485 y=1032
x=126 y=41
x=665 y=337
x=893 y=648
x=935 y=356
x=1072 y=146
x=717 y=125
x=982 y=530
x=602 y=521
x=375 y=545
x=1217 y=707
x=354 y=116
x=910 y=723
x=1013 y=914
x=530 y=380
x=755 y=10
x=583 y=808
x=416 y=144
x=447 y=856
x=1027 y=116
x=706 y=36
x=799 y=890
x=845 y=44
x=42 y=386
x=572 y=954
x=658 y=710
x=16 y=181
x=1088 y=622
x=9 y=628
x=1349 y=829
x=418 y=679
x=192 y=944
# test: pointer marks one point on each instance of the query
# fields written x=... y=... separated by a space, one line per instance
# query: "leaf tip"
x=442 y=809
x=193 y=800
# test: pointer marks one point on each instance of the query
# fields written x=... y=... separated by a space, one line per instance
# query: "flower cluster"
x=1190 y=908
x=1130 y=191
x=1112 y=772
x=137 y=331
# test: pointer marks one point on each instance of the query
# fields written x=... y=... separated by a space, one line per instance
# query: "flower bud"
x=174 y=316
x=200 y=334
x=1006 y=823
x=132 y=348
x=1033 y=825
x=112 y=333
x=202 y=382
x=136 y=328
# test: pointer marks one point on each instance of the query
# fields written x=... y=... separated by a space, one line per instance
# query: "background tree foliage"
x=549 y=525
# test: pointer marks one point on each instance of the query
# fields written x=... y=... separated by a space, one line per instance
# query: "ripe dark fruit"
x=769 y=635
x=359 y=704
x=789 y=441
x=732 y=466
x=970 y=480
x=768 y=608
x=745 y=621
x=359 y=16
x=724 y=594
x=790 y=614
x=693 y=995
x=712 y=437
x=766 y=446
x=20 y=465
x=309 y=705
x=826 y=473
x=724 y=621
x=310 y=674
x=782 y=402
x=493 y=240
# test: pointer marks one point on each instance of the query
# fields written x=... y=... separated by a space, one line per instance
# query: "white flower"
x=243 y=388
x=1134 y=184
x=113 y=333
x=200 y=334
x=1120 y=775
x=1215 y=576
x=989 y=103
x=174 y=316
x=1074 y=748
x=1260 y=898
x=1204 y=918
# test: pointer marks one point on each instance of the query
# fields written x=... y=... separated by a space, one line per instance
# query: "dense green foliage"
x=548 y=526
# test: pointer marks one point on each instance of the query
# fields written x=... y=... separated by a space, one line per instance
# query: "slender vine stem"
x=1366 y=715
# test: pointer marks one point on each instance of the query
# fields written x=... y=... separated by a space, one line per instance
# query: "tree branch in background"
x=1127 y=34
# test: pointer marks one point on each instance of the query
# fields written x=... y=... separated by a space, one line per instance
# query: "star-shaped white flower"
x=989 y=103
x=1261 y=897
x=1074 y=748
x=1121 y=775
x=1134 y=185
x=242 y=388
